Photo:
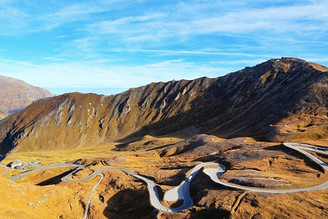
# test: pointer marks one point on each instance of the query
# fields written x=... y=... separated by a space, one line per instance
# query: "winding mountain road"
x=91 y=195
x=6 y=170
x=181 y=192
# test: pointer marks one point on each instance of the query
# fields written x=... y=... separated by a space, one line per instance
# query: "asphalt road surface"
x=181 y=192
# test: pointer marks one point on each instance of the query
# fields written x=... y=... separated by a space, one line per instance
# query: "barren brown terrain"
x=161 y=131
x=251 y=163
x=279 y=100
x=16 y=95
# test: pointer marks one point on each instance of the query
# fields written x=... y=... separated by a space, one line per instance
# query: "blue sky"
x=107 y=46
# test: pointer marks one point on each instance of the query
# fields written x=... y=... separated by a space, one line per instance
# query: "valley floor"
x=161 y=179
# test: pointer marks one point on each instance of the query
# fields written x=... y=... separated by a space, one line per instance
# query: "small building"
x=15 y=164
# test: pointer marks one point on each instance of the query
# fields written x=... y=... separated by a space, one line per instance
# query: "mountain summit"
x=15 y=95
x=279 y=99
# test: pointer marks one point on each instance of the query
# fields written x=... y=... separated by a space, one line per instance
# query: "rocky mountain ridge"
x=257 y=102
x=15 y=95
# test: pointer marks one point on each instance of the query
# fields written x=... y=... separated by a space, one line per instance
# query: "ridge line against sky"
x=107 y=46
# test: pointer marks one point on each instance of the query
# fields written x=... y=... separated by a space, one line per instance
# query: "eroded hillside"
x=264 y=165
x=15 y=95
x=258 y=102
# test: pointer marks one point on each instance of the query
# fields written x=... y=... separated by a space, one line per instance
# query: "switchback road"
x=181 y=192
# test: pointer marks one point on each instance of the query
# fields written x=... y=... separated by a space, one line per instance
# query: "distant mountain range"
x=15 y=95
x=280 y=99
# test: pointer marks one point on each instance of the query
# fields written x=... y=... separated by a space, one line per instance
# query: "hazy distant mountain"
x=279 y=99
x=15 y=95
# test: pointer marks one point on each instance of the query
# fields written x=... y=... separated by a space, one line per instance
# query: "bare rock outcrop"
x=258 y=102
x=15 y=95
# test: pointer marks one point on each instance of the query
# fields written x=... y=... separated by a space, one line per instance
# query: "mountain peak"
x=285 y=63
x=15 y=95
x=278 y=70
x=256 y=102
x=289 y=60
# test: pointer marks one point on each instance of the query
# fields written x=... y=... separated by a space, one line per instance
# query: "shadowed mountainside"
x=15 y=95
x=258 y=102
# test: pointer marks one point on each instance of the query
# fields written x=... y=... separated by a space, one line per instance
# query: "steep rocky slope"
x=260 y=102
x=15 y=95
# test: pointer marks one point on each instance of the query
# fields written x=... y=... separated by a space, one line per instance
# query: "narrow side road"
x=91 y=195
x=181 y=192
x=6 y=170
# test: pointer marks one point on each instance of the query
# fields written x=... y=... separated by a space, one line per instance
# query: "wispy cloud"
x=192 y=52
x=45 y=16
x=130 y=43
x=77 y=10
x=84 y=74
x=279 y=19
x=186 y=18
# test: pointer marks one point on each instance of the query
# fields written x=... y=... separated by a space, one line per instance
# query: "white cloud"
x=78 y=9
x=84 y=74
x=117 y=25
x=162 y=27
x=182 y=20
x=193 y=52
x=87 y=46
x=17 y=18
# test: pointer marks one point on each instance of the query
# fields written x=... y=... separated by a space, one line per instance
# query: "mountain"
x=15 y=95
x=280 y=99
